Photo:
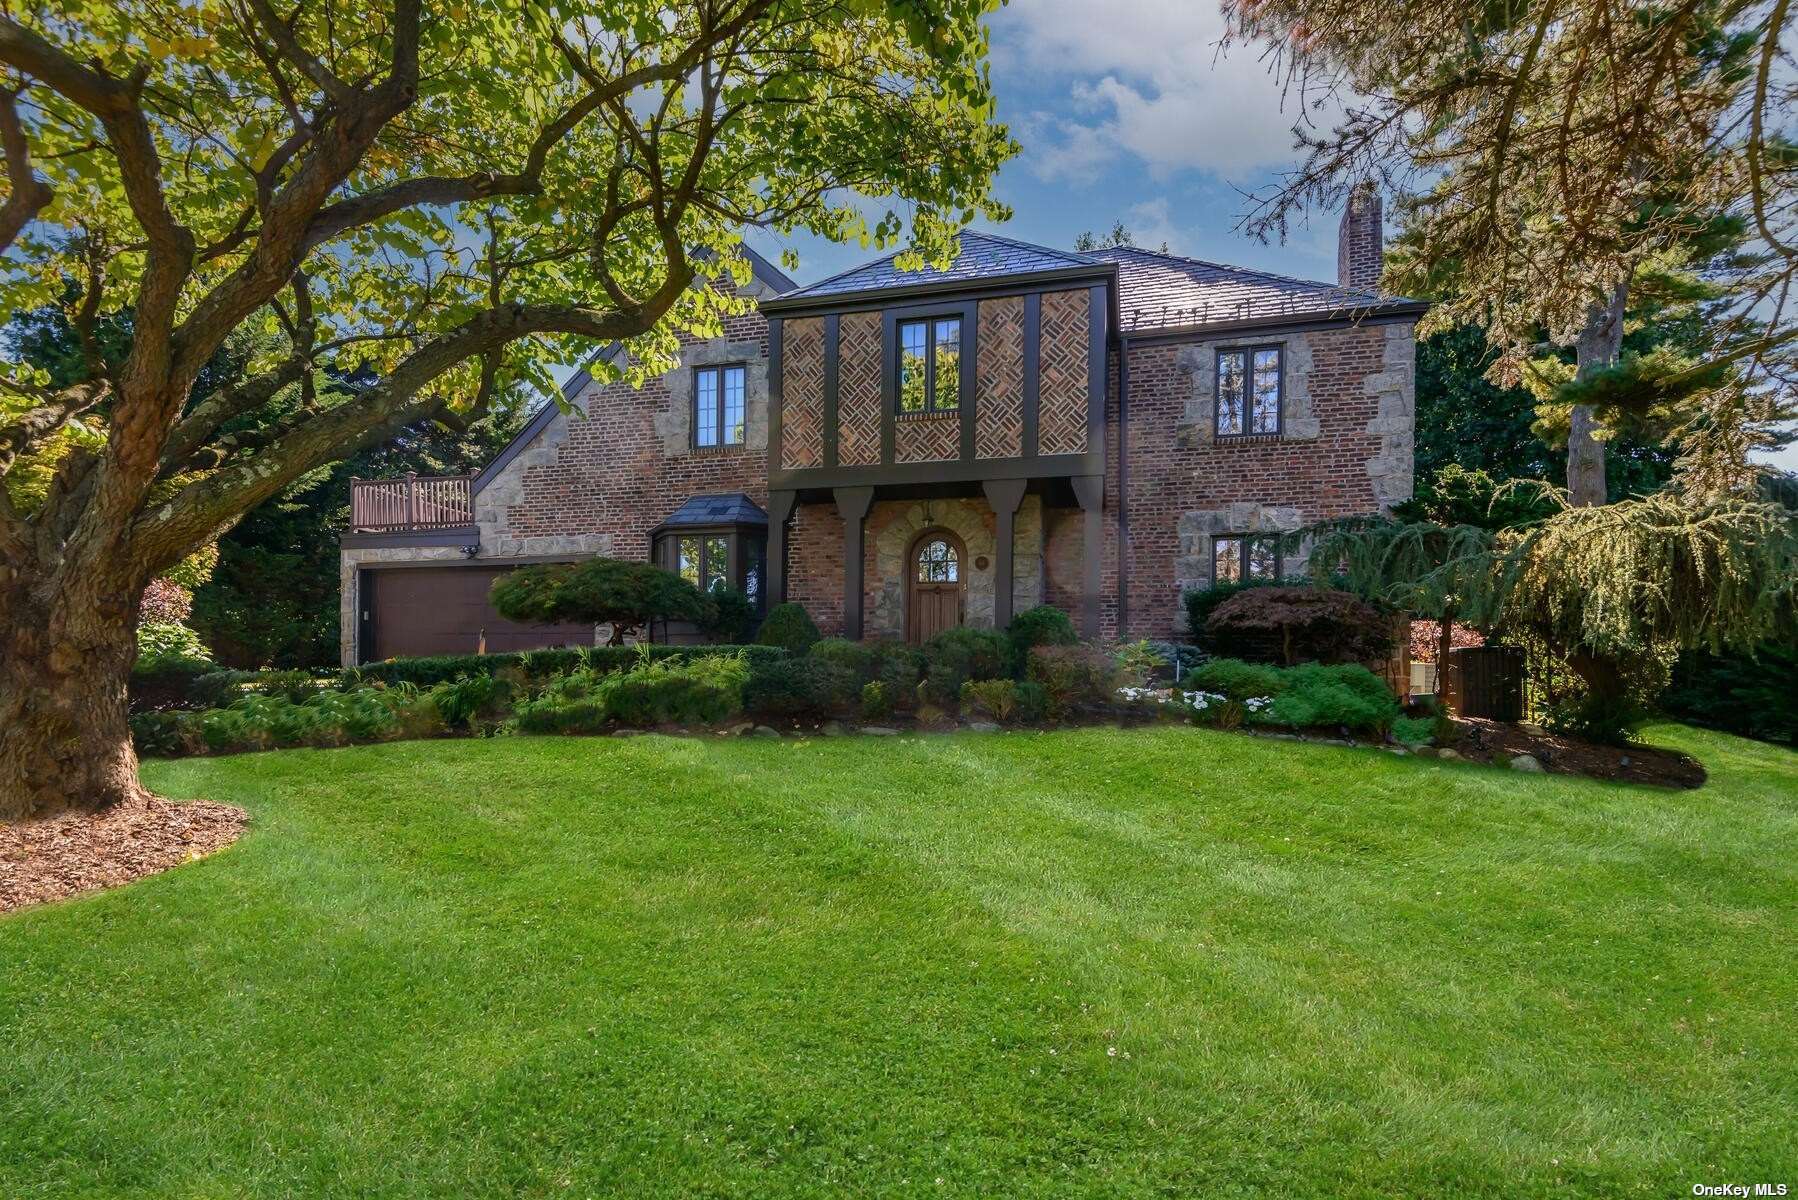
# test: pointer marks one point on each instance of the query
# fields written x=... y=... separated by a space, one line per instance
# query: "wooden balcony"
x=411 y=503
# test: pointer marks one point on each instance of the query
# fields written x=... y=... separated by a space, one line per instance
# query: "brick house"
x=902 y=451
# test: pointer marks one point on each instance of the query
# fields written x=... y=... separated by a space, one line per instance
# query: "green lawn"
x=1157 y=962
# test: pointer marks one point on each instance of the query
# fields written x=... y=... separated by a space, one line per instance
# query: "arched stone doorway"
x=937 y=588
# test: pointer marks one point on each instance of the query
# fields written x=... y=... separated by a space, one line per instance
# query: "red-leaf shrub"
x=1300 y=624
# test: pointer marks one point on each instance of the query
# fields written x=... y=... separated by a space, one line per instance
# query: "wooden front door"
x=937 y=566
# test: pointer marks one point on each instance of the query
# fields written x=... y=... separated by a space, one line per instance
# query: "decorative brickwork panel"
x=858 y=390
x=1064 y=384
x=927 y=439
x=999 y=404
x=802 y=387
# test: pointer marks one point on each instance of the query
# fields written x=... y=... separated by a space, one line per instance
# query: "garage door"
x=409 y=612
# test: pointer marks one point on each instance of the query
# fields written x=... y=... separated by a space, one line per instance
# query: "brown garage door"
x=414 y=611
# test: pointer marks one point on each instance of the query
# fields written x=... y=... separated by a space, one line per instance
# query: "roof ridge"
x=1256 y=271
x=1073 y=256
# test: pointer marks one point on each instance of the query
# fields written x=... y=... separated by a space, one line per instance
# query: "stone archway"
x=898 y=531
x=936 y=584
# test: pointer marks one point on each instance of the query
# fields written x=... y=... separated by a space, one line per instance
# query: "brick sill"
x=1247 y=439
x=953 y=414
x=716 y=451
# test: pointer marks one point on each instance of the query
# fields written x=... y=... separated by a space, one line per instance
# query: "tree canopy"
x=601 y=591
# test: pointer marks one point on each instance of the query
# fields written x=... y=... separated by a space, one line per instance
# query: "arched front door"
x=938 y=566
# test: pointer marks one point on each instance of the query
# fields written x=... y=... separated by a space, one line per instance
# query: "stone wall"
x=1345 y=449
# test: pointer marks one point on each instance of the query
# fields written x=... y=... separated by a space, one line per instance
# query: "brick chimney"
x=1361 y=240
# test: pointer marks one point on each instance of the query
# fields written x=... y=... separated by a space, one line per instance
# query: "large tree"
x=453 y=197
x=1551 y=155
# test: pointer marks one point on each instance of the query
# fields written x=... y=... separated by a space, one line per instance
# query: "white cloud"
x=1151 y=76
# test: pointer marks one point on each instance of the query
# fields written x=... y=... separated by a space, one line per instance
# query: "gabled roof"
x=1166 y=291
x=982 y=256
x=725 y=508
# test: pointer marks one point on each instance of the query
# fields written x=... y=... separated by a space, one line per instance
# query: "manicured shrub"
x=799 y=687
x=954 y=656
x=790 y=627
x=900 y=668
x=1301 y=624
x=1345 y=694
x=539 y=665
x=1073 y=677
x=858 y=658
x=1044 y=625
x=626 y=595
x=1414 y=731
x=163 y=642
x=732 y=616
x=877 y=701
x=1201 y=601
x=996 y=698
x=167 y=683
x=656 y=691
x=555 y=715
x=1239 y=680
x=1032 y=700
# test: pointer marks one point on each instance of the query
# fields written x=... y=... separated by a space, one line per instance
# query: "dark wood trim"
x=831 y=327
x=1123 y=497
x=780 y=511
x=852 y=505
x=776 y=392
x=1033 y=369
x=970 y=378
x=1053 y=466
x=997 y=285
x=365 y=615
x=1004 y=495
x=461 y=535
x=1090 y=491
x=1097 y=346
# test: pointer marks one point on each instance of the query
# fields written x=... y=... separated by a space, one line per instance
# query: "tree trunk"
x=1597 y=348
x=1445 y=641
x=65 y=738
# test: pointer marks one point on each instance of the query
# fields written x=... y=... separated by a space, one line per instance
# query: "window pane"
x=687 y=563
x=705 y=407
x=1266 y=417
x=912 y=350
x=938 y=562
x=948 y=364
x=733 y=406
x=717 y=561
x=1230 y=371
x=1226 y=560
x=1264 y=558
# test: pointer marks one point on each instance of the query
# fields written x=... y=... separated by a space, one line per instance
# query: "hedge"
x=540 y=664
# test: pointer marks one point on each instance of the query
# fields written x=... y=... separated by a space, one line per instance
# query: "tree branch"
x=29 y=193
x=30 y=429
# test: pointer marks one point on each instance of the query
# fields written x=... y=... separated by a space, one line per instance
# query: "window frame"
x=745 y=551
x=719 y=406
x=1245 y=543
x=1248 y=353
x=929 y=321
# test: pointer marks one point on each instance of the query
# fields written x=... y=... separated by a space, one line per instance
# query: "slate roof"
x=982 y=256
x=726 y=508
x=1167 y=291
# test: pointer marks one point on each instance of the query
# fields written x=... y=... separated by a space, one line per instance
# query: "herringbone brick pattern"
x=999 y=406
x=1063 y=387
x=802 y=389
x=927 y=439
x=858 y=390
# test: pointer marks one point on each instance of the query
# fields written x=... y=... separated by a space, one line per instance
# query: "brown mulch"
x=56 y=857
x=1497 y=743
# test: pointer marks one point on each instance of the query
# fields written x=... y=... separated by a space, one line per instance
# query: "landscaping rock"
x=740 y=729
x=1398 y=750
x=1448 y=754
x=1425 y=751
x=983 y=727
x=1526 y=762
x=765 y=731
x=832 y=729
x=879 y=731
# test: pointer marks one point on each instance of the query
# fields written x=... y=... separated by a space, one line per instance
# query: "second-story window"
x=718 y=406
x=1248 y=391
x=930 y=365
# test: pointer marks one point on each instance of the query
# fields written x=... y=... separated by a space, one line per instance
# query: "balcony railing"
x=393 y=505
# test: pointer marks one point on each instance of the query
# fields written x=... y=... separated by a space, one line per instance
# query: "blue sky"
x=1126 y=111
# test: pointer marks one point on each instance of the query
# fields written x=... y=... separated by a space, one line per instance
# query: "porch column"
x=780 y=510
x=1004 y=495
x=852 y=505
x=1090 y=491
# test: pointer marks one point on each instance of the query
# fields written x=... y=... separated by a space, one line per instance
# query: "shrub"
x=790 y=627
x=799 y=687
x=1752 y=697
x=539 y=665
x=1138 y=663
x=469 y=695
x=900 y=668
x=1414 y=731
x=954 y=656
x=158 y=734
x=697 y=691
x=997 y=698
x=1178 y=659
x=877 y=701
x=1044 y=625
x=1201 y=601
x=1032 y=701
x=1345 y=694
x=732 y=616
x=858 y=658
x=1073 y=676
x=549 y=714
x=1295 y=624
x=1238 y=680
x=168 y=683
x=164 y=642
x=600 y=591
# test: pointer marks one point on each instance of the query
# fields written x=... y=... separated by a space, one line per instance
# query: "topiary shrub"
x=1044 y=625
x=790 y=627
x=626 y=595
x=1295 y=624
x=1073 y=677
x=954 y=656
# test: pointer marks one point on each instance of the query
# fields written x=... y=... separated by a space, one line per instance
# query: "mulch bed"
x=75 y=852
x=1498 y=743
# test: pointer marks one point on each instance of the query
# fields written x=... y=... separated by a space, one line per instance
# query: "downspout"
x=1123 y=486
